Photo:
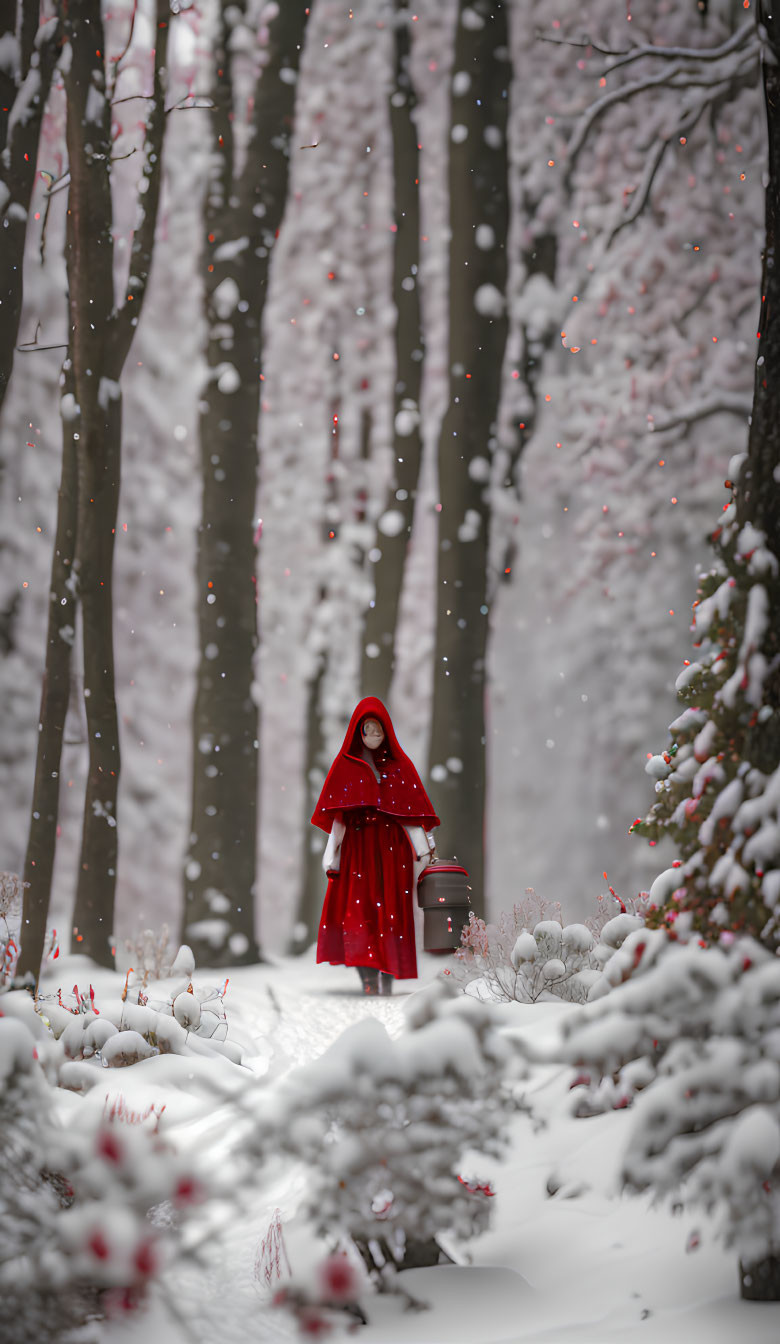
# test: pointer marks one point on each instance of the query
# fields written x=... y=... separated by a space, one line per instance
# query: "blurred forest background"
x=382 y=349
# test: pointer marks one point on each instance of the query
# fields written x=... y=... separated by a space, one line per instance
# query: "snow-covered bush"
x=35 y=1305
x=390 y=1129
x=523 y=959
x=164 y=1017
x=718 y=782
x=79 y=1232
x=327 y=1300
x=696 y=1031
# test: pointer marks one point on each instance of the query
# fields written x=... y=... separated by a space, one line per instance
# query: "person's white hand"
x=331 y=859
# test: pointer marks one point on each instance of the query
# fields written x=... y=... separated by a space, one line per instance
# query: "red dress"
x=368 y=915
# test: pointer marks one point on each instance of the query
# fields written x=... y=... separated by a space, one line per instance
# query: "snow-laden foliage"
x=718 y=782
x=326 y=1299
x=697 y=1032
x=523 y=958
x=83 y=1230
x=156 y=1018
x=391 y=1130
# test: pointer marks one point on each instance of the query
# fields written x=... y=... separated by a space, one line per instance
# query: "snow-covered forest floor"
x=587 y=1264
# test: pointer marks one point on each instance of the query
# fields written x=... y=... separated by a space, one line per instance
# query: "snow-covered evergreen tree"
x=717 y=782
x=695 y=1032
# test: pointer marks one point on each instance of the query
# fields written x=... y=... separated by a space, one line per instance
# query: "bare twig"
x=133 y=98
x=31 y=349
x=57 y=185
x=583 y=42
x=118 y=59
x=178 y=106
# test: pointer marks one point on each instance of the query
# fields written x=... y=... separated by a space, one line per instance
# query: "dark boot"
x=369 y=978
x=385 y=983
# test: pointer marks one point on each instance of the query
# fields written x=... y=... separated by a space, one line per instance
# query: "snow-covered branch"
x=701 y=410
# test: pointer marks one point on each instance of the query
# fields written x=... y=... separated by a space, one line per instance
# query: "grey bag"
x=443 y=895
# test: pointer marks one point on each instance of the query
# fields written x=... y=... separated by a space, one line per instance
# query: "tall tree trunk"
x=90 y=256
x=379 y=633
x=23 y=93
x=758 y=496
x=316 y=763
x=478 y=194
x=243 y=214
x=55 y=693
x=759 y=492
x=312 y=877
x=100 y=338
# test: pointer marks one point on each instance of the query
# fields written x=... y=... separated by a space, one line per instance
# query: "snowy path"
x=591 y=1268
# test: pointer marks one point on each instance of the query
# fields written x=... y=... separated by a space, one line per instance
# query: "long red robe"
x=368 y=915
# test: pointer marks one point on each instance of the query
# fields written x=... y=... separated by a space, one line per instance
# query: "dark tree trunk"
x=89 y=255
x=38 y=50
x=316 y=764
x=760 y=1280
x=100 y=338
x=313 y=879
x=220 y=867
x=758 y=496
x=478 y=193
x=759 y=493
x=55 y=693
x=379 y=632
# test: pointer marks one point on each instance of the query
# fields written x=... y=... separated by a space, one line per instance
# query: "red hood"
x=351 y=782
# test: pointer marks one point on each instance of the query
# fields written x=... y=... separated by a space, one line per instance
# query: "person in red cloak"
x=378 y=817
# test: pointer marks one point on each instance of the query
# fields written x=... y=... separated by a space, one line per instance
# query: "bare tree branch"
x=655 y=159
x=126 y=315
x=626 y=55
x=602 y=105
x=746 y=35
x=702 y=410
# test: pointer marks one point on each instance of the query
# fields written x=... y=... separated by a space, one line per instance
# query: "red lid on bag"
x=443 y=867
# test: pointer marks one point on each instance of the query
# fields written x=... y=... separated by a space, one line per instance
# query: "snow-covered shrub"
x=35 y=1305
x=150 y=1018
x=524 y=959
x=78 y=1229
x=327 y=1300
x=718 y=783
x=389 y=1130
x=696 y=1031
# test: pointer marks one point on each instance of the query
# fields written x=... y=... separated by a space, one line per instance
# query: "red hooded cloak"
x=368 y=915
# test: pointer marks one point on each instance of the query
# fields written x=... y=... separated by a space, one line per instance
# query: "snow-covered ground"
x=586 y=1264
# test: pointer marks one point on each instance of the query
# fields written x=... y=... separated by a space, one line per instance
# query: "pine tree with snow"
x=718 y=782
x=694 y=1035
